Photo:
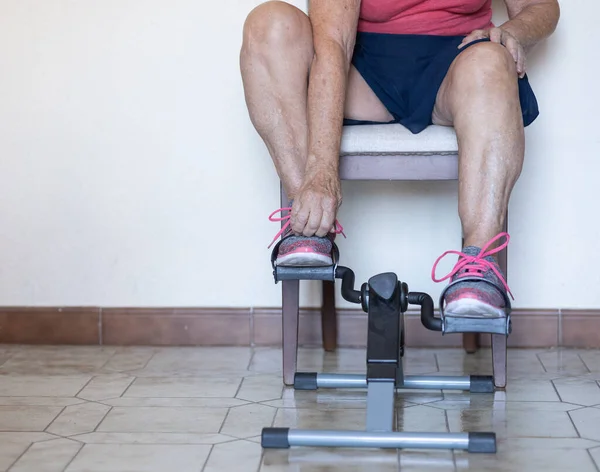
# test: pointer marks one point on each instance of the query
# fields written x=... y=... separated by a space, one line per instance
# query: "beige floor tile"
x=48 y=456
x=513 y=423
x=524 y=390
x=508 y=460
x=259 y=388
x=169 y=401
x=322 y=399
x=40 y=401
x=163 y=420
x=267 y=360
x=421 y=397
x=197 y=361
x=182 y=405
x=130 y=358
x=77 y=419
x=421 y=418
x=329 y=460
x=237 y=456
x=27 y=418
x=587 y=422
x=418 y=362
x=526 y=444
x=248 y=420
x=595 y=454
x=153 y=438
x=139 y=458
x=581 y=391
x=320 y=419
x=61 y=360
x=563 y=361
x=10 y=451
x=591 y=359
x=102 y=387
x=426 y=461
x=184 y=387
x=489 y=404
x=41 y=385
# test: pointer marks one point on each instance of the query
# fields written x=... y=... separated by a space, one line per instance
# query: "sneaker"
x=473 y=298
x=302 y=251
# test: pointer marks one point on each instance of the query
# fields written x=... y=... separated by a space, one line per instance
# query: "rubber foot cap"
x=482 y=384
x=482 y=443
x=305 y=381
x=276 y=438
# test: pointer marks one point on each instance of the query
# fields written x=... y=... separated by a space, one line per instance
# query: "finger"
x=522 y=63
x=496 y=35
x=474 y=36
x=299 y=217
x=327 y=221
x=513 y=48
x=314 y=220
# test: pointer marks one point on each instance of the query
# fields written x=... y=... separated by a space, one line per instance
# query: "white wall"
x=131 y=175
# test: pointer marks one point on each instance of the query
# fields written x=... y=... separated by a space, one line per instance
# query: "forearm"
x=533 y=23
x=326 y=98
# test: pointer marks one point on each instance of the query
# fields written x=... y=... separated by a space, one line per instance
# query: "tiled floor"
x=97 y=409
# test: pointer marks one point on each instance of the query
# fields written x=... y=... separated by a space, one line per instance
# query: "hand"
x=500 y=36
x=316 y=205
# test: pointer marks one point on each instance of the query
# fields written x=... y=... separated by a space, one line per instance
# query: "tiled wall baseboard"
x=262 y=327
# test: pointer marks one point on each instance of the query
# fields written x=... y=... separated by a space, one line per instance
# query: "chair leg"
x=290 y=309
x=499 y=346
x=470 y=342
x=499 y=359
x=328 y=317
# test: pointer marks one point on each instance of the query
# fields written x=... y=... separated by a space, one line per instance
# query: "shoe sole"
x=304 y=259
x=473 y=308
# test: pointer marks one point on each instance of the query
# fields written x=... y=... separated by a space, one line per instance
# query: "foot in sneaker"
x=483 y=298
x=302 y=251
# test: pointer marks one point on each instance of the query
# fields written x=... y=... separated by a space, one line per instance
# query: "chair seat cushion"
x=396 y=139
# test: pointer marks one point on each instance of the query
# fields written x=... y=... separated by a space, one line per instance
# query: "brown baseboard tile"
x=176 y=326
x=531 y=328
x=41 y=325
x=581 y=328
x=262 y=327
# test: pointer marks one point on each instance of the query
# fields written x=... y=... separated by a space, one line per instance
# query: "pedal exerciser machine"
x=385 y=299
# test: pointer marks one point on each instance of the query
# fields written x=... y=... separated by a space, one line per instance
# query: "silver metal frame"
x=380 y=419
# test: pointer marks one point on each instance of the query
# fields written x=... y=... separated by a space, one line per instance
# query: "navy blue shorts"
x=406 y=72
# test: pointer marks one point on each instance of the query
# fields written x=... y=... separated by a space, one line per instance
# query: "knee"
x=485 y=65
x=275 y=25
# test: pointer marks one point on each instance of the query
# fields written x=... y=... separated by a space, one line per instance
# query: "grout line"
x=55 y=418
x=537 y=356
x=212 y=447
x=589 y=451
x=73 y=458
x=20 y=456
x=574 y=425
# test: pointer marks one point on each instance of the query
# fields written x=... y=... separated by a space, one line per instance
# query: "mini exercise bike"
x=385 y=299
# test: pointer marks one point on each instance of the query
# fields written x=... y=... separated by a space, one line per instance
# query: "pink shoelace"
x=338 y=229
x=475 y=266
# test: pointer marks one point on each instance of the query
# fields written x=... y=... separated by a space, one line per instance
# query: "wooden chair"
x=384 y=152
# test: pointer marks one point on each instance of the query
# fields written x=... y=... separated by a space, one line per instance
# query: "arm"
x=334 y=24
x=334 y=32
x=531 y=21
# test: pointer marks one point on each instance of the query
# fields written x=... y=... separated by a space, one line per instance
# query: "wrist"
x=319 y=166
